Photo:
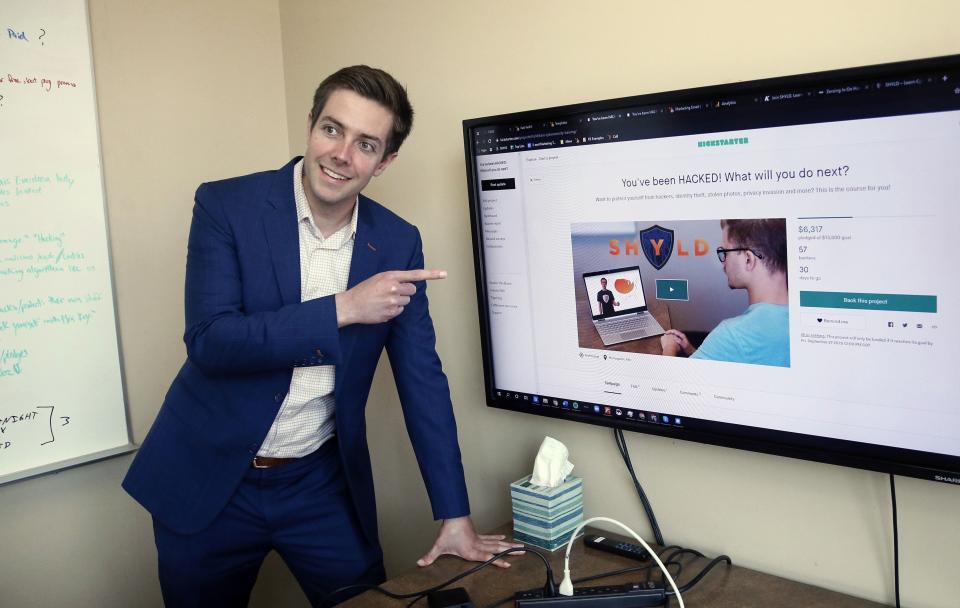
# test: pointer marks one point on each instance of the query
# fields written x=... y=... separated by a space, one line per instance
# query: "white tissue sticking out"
x=551 y=466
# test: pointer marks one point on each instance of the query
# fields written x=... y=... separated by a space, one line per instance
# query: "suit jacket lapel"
x=366 y=246
x=281 y=225
x=364 y=264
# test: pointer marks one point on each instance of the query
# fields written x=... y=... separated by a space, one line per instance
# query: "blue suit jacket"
x=246 y=330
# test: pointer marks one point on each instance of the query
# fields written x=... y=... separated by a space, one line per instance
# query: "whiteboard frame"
x=129 y=446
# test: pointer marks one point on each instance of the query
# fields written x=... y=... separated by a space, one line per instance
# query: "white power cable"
x=566 y=587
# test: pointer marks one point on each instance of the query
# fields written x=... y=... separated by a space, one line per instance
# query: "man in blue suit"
x=295 y=284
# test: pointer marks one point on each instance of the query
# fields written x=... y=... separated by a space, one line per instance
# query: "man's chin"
x=331 y=195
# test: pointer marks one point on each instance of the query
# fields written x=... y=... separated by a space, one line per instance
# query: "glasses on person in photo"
x=722 y=252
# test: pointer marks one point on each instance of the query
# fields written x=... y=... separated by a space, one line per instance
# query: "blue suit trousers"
x=303 y=510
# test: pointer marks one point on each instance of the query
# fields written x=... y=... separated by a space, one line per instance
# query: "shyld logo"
x=657 y=244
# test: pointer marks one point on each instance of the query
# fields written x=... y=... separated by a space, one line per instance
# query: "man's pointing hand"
x=381 y=297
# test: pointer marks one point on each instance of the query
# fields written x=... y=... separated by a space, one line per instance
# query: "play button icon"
x=672 y=289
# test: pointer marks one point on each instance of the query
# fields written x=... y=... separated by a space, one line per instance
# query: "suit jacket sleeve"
x=425 y=398
x=222 y=334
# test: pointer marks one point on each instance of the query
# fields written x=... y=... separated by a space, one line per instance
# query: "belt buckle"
x=256 y=465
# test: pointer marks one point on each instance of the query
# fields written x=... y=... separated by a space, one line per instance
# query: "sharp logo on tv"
x=954 y=480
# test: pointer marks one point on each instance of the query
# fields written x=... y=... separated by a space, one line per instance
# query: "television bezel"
x=871 y=457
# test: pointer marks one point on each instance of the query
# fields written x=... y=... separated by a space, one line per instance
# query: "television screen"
x=765 y=265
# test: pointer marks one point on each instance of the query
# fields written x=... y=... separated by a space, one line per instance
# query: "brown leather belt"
x=266 y=462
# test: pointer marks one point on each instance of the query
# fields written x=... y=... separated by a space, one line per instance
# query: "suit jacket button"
x=320 y=353
x=278 y=397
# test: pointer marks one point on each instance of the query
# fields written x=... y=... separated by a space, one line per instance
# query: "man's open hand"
x=458 y=537
x=381 y=297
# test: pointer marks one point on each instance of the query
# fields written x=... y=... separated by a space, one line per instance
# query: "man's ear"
x=389 y=158
x=309 y=124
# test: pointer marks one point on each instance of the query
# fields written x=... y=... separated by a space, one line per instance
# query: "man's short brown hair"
x=768 y=237
x=373 y=84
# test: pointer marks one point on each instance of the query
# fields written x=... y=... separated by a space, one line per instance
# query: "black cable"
x=680 y=551
x=625 y=453
x=703 y=573
x=594 y=577
x=896 y=543
x=325 y=601
x=666 y=562
x=418 y=595
x=478 y=567
x=550 y=582
x=669 y=592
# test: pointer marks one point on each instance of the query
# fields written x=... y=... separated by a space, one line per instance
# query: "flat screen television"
x=766 y=265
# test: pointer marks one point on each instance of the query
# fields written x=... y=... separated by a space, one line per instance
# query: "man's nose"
x=341 y=153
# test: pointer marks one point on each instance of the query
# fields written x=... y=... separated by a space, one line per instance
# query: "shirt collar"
x=303 y=208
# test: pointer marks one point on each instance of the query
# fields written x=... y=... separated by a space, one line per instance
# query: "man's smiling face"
x=345 y=149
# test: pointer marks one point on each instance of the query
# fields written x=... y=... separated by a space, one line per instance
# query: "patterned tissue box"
x=546 y=517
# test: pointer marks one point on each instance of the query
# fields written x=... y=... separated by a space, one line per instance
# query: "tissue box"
x=546 y=517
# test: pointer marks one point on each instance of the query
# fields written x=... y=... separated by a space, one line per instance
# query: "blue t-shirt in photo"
x=761 y=335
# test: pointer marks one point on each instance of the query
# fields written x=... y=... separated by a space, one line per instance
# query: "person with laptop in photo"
x=754 y=257
x=605 y=299
x=622 y=317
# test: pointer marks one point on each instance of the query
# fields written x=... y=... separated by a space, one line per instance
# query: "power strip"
x=631 y=595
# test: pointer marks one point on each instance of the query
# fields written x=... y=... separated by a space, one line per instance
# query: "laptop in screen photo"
x=618 y=307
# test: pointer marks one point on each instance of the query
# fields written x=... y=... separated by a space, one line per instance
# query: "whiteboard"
x=61 y=387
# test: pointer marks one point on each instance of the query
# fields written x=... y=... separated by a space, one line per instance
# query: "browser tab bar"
x=731 y=112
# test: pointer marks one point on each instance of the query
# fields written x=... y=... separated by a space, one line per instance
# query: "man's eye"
x=330 y=129
x=367 y=146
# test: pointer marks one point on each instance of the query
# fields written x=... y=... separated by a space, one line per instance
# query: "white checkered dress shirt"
x=305 y=419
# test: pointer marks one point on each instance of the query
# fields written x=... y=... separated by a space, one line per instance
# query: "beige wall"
x=191 y=91
x=822 y=524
